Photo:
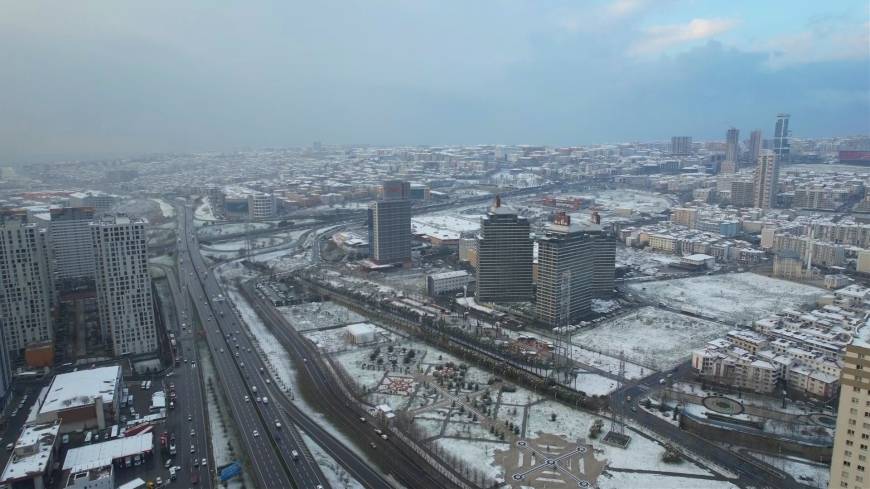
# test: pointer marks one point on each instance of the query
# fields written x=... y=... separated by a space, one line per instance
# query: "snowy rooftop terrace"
x=32 y=452
x=102 y=454
x=79 y=388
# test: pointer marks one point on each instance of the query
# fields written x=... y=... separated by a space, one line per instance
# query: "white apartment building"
x=440 y=283
x=261 y=205
x=123 y=284
x=25 y=284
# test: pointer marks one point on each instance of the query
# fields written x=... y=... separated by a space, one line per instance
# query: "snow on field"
x=219 y=230
x=313 y=315
x=595 y=384
x=648 y=262
x=636 y=200
x=641 y=453
x=734 y=297
x=445 y=227
x=603 y=306
x=203 y=212
x=165 y=208
x=337 y=477
x=814 y=474
x=623 y=480
x=595 y=359
x=652 y=336
x=478 y=454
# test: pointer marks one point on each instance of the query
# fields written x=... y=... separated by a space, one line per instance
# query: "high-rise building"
x=261 y=205
x=124 y=284
x=742 y=193
x=732 y=145
x=5 y=368
x=25 y=284
x=681 y=145
x=566 y=261
x=604 y=253
x=390 y=224
x=849 y=461
x=780 y=138
x=504 y=256
x=100 y=201
x=71 y=245
x=754 y=146
x=766 y=180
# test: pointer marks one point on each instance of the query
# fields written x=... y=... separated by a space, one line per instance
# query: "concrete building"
x=681 y=145
x=124 y=284
x=504 y=256
x=566 y=265
x=390 y=224
x=732 y=145
x=33 y=457
x=754 y=146
x=441 y=283
x=85 y=399
x=742 y=193
x=685 y=216
x=100 y=201
x=261 y=205
x=766 y=180
x=71 y=245
x=781 y=146
x=26 y=289
x=849 y=461
x=863 y=265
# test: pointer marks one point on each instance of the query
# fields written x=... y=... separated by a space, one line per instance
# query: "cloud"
x=621 y=8
x=823 y=39
x=657 y=39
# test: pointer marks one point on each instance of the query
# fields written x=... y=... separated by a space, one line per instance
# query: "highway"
x=190 y=411
x=403 y=464
x=270 y=447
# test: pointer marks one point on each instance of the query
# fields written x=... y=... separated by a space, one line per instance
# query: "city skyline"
x=237 y=77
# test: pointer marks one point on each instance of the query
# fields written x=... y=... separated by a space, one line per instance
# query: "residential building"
x=71 y=245
x=261 y=205
x=732 y=145
x=742 y=193
x=754 y=146
x=26 y=290
x=681 y=145
x=863 y=265
x=504 y=256
x=100 y=201
x=766 y=180
x=390 y=224
x=124 y=284
x=849 y=460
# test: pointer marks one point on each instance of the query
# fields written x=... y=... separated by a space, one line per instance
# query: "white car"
x=256 y=433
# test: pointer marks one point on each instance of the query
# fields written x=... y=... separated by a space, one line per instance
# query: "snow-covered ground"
x=652 y=336
x=647 y=262
x=337 y=477
x=603 y=306
x=203 y=212
x=806 y=472
x=165 y=208
x=636 y=200
x=314 y=315
x=445 y=226
x=736 y=298
x=218 y=230
x=629 y=480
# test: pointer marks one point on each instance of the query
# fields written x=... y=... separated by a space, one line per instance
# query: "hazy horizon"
x=101 y=80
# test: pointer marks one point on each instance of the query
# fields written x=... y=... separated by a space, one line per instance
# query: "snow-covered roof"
x=75 y=389
x=101 y=454
x=699 y=257
x=32 y=452
x=360 y=329
x=452 y=274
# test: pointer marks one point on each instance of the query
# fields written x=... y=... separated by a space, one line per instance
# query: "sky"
x=105 y=78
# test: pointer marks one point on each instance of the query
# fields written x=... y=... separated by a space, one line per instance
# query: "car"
x=159 y=481
x=277 y=424
x=362 y=419
x=294 y=454
x=242 y=365
x=192 y=432
x=192 y=449
x=268 y=381
x=196 y=462
x=189 y=417
x=237 y=353
x=256 y=433
x=384 y=436
x=373 y=445
x=204 y=462
x=168 y=463
x=378 y=431
x=247 y=399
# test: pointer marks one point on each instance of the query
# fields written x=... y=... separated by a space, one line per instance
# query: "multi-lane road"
x=276 y=455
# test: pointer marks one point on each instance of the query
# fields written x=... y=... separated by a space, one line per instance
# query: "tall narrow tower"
x=780 y=138
x=390 y=224
x=754 y=146
x=504 y=256
x=732 y=145
x=124 y=284
x=766 y=180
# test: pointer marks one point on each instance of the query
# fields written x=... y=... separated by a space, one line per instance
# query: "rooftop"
x=79 y=388
x=102 y=454
x=32 y=452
